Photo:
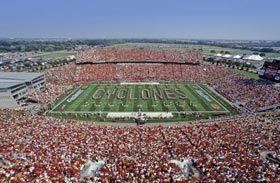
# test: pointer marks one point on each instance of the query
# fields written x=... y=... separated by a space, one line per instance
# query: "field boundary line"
x=214 y=99
x=224 y=109
x=65 y=99
x=221 y=96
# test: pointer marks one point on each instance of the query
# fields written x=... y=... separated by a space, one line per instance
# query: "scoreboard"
x=271 y=70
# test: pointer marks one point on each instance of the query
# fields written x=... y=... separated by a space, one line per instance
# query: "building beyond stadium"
x=15 y=85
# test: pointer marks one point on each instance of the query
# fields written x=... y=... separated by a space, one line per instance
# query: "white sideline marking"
x=214 y=99
x=135 y=114
x=65 y=98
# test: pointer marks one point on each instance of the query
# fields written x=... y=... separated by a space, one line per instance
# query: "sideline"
x=214 y=99
x=51 y=111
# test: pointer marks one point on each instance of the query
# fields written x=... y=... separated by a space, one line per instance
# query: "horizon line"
x=138 y=38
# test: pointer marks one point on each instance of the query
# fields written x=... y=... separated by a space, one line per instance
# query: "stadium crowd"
x=62 y=75
x=59 y=80
x=42 y=149
x=250 y=93
x=49 y=94
x=150 y=72
x=138 y=55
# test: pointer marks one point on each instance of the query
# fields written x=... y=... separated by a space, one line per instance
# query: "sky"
x=188 y=19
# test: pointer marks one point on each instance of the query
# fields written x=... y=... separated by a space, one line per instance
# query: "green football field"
x=54 y=55
x=87 y=101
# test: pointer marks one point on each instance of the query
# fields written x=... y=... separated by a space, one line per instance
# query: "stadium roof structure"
x=8 y=84
x=253 y=57
x=8 y=79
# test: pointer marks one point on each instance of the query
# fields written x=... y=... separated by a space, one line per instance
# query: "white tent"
x=219 y=55
x=237 y=57
x=227 y=56
x=253 y=57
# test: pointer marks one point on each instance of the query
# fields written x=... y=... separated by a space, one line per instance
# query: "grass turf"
x=248 y=74
x=99 y=99
x=54 y=55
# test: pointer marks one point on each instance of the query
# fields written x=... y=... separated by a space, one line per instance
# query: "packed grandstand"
x=239 y=148
x=117 y=55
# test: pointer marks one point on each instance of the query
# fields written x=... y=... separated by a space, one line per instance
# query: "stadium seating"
x=54 y=150
x=148 y=72
x=252 y=94
x=138 y=55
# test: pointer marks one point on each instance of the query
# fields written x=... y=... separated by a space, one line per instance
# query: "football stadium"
x=143 y=115
x=145 y=91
